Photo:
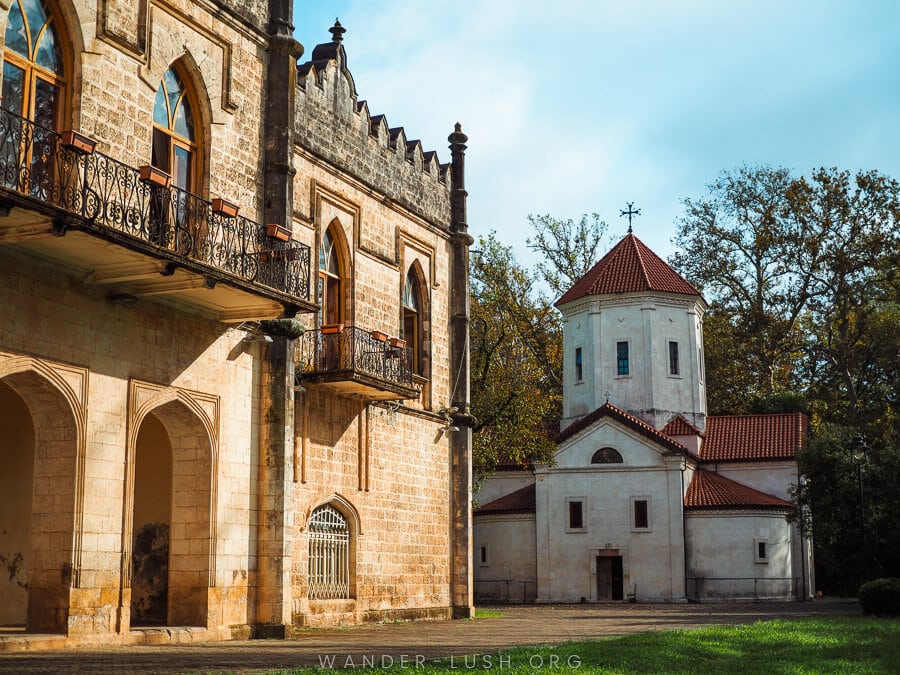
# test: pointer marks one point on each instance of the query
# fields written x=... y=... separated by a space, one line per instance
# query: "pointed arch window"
x=412 y=319
x=175 y=148
x=329 y=554
x=330 y=280
x=33 y=65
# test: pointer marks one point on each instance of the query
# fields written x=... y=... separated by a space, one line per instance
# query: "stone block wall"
x=333 y=124
x=64 y=327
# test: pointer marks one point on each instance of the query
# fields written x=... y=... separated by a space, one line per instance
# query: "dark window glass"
x=16 y=39
x=606 y=456
x=622 y=358
x=484 y=554
x=640 y=514
x=47 y=53
x=13 y=88
x=761 y=550
x=673 y=358
x=37 y=17
x=579 y=372
x=576 y=522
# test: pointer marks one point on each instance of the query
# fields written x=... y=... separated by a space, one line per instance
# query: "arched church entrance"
x=38 y=454
x=171 y=541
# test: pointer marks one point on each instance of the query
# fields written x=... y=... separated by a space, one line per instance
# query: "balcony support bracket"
x=60 y=227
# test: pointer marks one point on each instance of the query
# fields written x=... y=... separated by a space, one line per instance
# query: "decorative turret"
x=633 y=336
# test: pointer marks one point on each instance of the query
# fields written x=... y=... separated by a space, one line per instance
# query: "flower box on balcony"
x=223 y=207
x=398 y=343
x=378 y=335
x=332 y=328
x=279 y=232
x=154 y=176
x=78 y=142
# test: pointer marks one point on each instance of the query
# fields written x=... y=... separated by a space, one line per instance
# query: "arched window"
x=606 y=456
x=33 y=66
x=329 y=554
x=330 y=279
x=412 y=319
x=174 y=132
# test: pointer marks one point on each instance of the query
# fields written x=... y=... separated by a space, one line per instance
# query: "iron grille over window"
x=329 y=555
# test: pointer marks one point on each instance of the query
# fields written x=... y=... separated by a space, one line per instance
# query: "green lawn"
x=844 y=645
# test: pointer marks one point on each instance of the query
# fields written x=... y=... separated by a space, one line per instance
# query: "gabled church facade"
x=649 y=499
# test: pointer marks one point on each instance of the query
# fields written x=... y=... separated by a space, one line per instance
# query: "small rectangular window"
x=579 y=372
x=576 y=520
x=622 y=358
x=483 y=556
x=761 y=550
x=641 y=514
x=673 y=358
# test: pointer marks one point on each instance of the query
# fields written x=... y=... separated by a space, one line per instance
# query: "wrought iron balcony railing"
x=108 y=196
x=352 y=353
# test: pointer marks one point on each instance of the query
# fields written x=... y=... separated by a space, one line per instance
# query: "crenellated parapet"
x=331 y=122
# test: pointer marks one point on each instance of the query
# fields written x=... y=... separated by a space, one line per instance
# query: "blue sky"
x=577 y=107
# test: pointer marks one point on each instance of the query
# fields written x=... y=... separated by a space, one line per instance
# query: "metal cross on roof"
x=630 y=213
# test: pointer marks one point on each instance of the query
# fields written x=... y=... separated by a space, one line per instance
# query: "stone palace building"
x=233 y=347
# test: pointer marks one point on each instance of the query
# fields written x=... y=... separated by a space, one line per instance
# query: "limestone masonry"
x=233 y=324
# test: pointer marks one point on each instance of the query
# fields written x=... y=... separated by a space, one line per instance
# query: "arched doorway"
x=37 y=520
x=171 y=515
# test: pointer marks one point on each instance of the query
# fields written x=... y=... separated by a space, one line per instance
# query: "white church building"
x=649 y=499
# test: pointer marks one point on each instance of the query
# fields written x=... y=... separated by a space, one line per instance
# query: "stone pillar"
x=281 y=83
x=460 y=441
x=274 y=489
x=275 y=517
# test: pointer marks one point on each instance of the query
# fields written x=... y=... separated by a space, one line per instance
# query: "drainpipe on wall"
x=803 y=594
x=684 y=530
x=460 y=441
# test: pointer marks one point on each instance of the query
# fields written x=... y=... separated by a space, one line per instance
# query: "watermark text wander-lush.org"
x=550 y=661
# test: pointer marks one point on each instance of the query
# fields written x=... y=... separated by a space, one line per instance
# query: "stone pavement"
x=422 y=641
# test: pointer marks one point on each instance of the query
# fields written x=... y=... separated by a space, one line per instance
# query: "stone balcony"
x=127 y=230
x=354 y=362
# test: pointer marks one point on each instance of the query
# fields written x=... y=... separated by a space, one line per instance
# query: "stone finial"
x=457 y=137
x=337 y=31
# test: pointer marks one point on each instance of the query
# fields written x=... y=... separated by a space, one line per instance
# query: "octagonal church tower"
x=633 y=336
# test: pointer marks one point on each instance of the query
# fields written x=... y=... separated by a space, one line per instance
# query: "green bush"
x=880 y=597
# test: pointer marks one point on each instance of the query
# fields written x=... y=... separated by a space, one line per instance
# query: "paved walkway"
x=425 y=640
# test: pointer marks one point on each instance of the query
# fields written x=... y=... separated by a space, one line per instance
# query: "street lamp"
x=859 y=452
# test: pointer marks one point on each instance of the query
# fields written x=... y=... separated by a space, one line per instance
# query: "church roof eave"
x=628 y=420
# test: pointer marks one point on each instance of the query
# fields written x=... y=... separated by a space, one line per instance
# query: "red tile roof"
x=710 y=491
x=740 y=438
x=679 y=426
x=520 y=501
x=609 y=410
x=629 y=267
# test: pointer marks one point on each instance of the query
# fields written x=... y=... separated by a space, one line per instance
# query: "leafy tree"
x=802 y=274
x=567 y=249
x=516 y=338
x=516 y=361
x=745 y=248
